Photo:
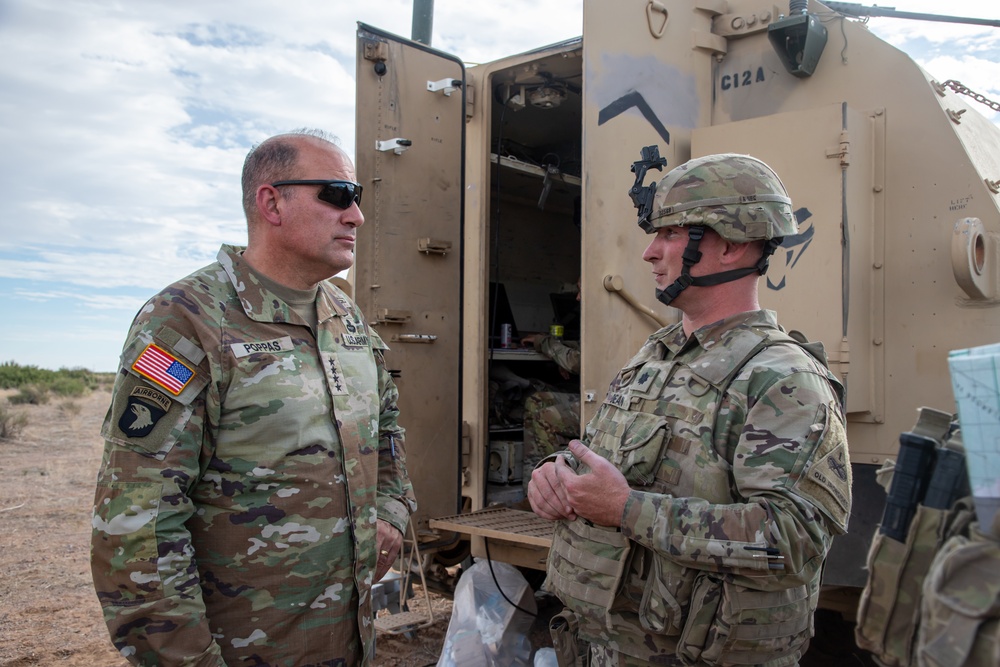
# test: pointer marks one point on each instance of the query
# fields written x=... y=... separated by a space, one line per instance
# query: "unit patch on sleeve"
x=145 y=407
x=828 y=480
x=159 y=366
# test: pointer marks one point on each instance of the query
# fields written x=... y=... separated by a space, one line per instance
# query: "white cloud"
x=95 y=302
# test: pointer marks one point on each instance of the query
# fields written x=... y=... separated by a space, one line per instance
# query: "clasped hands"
x=557 y=492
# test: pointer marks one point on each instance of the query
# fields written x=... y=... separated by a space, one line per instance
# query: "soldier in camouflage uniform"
x=694 y=518
x=551 y=417
x=253 y=485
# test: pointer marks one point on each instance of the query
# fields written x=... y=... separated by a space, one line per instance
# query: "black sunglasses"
x=338 y=193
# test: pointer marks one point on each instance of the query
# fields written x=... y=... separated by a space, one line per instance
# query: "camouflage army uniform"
x=740 y=478
x=566 y=355
x=551 y=417
x=247 y=460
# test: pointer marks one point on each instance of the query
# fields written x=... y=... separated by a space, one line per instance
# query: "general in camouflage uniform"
x=551 y=417
x=253 y=485
x=694 y=518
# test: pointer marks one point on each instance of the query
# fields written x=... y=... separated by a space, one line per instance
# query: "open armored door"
x=408 y=282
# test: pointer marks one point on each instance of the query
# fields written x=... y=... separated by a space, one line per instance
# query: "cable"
x=486 y=541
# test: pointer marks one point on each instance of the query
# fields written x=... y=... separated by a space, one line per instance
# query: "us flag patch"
x=163 y=368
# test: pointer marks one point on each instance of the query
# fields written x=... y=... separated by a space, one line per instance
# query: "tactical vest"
x=657 y=425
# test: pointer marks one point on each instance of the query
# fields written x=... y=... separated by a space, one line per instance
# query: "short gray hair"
x=272 y=160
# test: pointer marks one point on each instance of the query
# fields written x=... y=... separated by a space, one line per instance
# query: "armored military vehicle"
x=490 y=189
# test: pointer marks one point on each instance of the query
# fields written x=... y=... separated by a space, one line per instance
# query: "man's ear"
x=268 y=204
x=736 y=253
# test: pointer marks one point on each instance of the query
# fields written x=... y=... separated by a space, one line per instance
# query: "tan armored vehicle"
x=489 y=190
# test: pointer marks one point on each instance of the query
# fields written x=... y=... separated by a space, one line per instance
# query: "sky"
x=124 y=125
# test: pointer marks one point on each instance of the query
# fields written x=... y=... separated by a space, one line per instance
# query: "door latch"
x=397 y=145
x=446 y=86
x=414 y=338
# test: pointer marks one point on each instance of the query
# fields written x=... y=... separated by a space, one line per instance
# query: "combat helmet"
x=737 y=196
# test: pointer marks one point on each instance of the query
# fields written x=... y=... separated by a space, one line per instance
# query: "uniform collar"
x=263 y=305
x=710 y=335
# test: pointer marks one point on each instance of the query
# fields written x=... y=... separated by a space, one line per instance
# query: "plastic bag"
x=546 y=657
x=485 y=630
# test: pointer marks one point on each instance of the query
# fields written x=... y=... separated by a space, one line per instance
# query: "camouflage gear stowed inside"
x=247 y=459
x=566 y=355
x=551 y=420
x=700 y=192
x=734 y=444
x=551 y=417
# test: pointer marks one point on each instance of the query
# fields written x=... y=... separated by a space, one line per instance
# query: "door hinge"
x=375 y=50
x=470 y=101
x=842 y=151
x=390 y=316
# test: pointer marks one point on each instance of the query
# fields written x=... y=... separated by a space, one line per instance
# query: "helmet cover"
x=737 y=196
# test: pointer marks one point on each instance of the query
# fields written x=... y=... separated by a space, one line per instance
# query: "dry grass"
x=12 y=422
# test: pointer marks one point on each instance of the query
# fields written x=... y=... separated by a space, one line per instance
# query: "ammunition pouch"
x=586 y=567
x=889 y=611
x=665 y=597
x=570 y=650
x=730 y=624
x=960 y=606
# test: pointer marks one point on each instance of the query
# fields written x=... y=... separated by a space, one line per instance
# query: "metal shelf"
x=500 y=523
x=534 y=170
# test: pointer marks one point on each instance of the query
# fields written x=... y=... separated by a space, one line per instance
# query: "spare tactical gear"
x=933 y=598
x=960 y=607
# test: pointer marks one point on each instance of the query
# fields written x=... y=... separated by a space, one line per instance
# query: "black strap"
x=692 y=256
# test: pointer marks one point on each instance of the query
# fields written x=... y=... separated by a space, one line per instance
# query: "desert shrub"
x=64 y=382
x=30 y=394
x=65 y=385
x=14 y=376
x=11 y=422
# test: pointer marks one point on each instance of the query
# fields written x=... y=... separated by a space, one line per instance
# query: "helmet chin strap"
x=692 y=256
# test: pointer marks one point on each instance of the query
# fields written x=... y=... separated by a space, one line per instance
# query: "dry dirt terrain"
x=49 y=613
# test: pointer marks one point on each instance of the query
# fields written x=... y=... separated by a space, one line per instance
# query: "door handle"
x=616 y=284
